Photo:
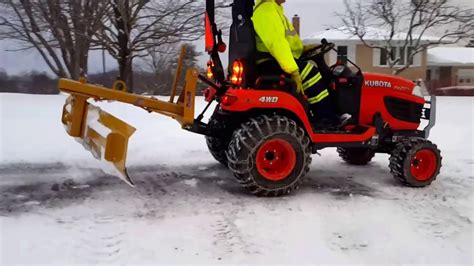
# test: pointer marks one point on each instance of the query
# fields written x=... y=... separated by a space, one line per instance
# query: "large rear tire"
x=415 y=162
x=356 y=156
x=269 y=156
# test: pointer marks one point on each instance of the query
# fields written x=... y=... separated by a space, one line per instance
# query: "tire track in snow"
x=227 y=234
x=231 y=236
x=434 y=217
x=435 y=208
x=102 y=240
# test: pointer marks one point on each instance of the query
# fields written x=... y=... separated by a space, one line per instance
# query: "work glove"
x=297 y=79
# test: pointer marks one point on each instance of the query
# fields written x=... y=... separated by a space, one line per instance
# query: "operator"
x=279 y=51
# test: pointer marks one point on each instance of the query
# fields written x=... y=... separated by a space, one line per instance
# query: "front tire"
x=218 y=145
x=415 y=162
x=269 y=156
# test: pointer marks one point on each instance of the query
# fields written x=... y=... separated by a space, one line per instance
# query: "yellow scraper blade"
x=104 y=135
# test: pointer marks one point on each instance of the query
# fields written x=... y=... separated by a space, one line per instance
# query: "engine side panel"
x=391 y=97
x=248 y=100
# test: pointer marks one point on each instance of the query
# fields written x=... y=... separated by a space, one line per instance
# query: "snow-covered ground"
x=58 y=207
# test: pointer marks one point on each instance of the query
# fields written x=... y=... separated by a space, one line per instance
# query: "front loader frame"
x=183 y=110
x=106 y=136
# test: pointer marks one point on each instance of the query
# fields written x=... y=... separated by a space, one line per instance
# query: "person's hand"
x=297 y=79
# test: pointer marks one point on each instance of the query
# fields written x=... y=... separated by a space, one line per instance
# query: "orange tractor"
x=261 y=129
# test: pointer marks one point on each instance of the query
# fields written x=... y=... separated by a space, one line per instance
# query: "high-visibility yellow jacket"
x=276 y=35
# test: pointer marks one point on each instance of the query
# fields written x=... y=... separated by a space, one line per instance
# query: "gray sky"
x=315 y=15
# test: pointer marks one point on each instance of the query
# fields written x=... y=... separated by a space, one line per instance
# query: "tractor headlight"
x=417 y=91
x=420 y=89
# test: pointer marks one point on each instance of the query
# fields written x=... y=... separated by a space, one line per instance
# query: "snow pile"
x=59 y=208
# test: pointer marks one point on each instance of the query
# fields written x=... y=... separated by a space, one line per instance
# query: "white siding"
x=352 y=52
x=332 y=58
x=376 y=57
x=417 y=59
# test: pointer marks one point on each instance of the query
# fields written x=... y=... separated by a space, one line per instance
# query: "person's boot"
x=345 y=119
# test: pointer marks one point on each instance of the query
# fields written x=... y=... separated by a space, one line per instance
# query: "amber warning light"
x=237 y=72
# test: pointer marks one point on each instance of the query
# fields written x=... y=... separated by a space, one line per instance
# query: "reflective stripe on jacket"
x=276 y=35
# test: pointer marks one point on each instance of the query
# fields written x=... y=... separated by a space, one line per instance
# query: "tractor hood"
x=382 y=81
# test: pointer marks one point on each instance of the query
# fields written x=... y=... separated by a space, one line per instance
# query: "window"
x=393 y=53
x=401 y=53
x=428 y=75
x=410 y=60
x=342 y=53
x=383 y=57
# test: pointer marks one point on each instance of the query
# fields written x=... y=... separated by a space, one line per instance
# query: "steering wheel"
x=312 y=50
x=324 y=48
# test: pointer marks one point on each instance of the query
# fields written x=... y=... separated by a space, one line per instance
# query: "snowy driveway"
x=58 y=207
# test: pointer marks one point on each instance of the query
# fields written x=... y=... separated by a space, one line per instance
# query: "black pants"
x=316 y=88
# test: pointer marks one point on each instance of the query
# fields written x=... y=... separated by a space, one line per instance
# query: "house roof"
x=342 y=34
x=451 y=56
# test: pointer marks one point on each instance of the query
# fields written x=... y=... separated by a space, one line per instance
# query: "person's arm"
x=270 y=29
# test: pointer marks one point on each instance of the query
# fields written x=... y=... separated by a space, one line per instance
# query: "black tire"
x=356 y=156
x=218 y=145
x=404 y=158
x=249 y=138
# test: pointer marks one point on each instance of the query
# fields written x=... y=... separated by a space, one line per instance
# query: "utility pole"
x=103 y=60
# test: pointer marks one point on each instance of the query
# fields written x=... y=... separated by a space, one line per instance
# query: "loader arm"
x=183 y=110
x=105 y=135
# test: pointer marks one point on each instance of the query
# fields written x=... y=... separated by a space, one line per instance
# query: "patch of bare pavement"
x=51 y=186
x=101 y=214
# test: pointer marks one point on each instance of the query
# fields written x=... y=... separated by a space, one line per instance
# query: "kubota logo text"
x=378 y=83
x=268 y=99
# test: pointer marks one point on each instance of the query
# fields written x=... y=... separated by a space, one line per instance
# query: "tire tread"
x=245 y=142
x=399 y=155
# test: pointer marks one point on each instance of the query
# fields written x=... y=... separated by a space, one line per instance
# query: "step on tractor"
x=261 y=129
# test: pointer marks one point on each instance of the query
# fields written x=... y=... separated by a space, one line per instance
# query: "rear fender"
x=249 y=100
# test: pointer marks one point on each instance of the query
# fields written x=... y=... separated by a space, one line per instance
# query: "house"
x=373 y=59
x=450 y=67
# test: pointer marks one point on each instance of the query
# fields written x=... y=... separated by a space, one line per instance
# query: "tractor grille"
x=404 y=110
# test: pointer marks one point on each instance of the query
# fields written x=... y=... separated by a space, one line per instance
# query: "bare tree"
x=405 y=25
x=471 y=41
x=135 y=26
x=60 y=30
x=162 y=61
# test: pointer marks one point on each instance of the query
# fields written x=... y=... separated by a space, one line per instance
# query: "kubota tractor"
x=261 y=129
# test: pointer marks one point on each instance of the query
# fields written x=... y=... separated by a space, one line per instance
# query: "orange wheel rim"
x=423 y=164
x=276 y=159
